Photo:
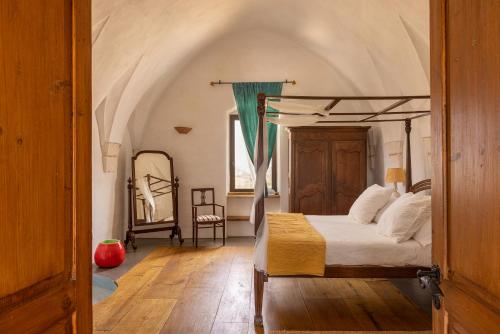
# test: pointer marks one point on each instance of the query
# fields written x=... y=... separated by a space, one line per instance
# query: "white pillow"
x=404 y=217
x=392 y=199
x=424 y=233
x=368 y=203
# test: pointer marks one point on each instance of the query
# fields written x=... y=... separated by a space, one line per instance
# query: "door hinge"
x=431 y=279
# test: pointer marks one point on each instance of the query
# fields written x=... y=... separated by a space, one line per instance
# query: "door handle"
x=430 y=279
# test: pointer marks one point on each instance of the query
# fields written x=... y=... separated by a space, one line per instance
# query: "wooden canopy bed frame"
x=343 y=271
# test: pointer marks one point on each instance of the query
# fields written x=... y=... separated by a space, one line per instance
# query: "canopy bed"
x=349 y=250
x=153 y=196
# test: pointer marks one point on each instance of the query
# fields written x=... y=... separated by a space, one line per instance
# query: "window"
x=240 y=166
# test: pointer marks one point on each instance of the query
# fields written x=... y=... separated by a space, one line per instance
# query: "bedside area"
x=239 y=206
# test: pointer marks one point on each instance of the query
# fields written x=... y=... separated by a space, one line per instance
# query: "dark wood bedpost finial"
x=408 y=154
x=261 y=104
x=261 y=111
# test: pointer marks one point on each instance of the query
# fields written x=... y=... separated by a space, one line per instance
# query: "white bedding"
x=349 y=243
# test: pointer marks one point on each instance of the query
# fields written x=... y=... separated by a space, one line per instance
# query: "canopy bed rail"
x=333 y=102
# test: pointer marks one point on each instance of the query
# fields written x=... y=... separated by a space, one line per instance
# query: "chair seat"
x=208 y=218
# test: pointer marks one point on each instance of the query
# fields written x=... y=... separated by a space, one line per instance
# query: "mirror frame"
x=173 y=225
x=175 y=185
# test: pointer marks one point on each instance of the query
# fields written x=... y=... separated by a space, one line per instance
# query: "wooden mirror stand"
x=152 y=196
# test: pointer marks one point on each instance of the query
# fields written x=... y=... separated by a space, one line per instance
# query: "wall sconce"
x=184 y=130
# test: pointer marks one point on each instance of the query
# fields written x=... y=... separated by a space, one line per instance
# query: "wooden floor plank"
x=234 y=306
x=284 y=307
x=210 y=290
x=147 y=317
x=194 y=313
x=325 y=316
x=400 y=306
x=353 y=306
x=230 y=328
x=110 y=311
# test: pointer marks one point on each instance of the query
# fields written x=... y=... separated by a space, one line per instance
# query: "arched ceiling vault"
x=139 y=46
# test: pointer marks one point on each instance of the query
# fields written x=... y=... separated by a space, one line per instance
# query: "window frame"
x=232 y=153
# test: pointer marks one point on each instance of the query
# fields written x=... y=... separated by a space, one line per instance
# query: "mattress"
x=350 y=243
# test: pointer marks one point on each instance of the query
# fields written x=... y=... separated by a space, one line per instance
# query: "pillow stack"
x=398 y=218
x=405 y=217
x=369 y=203
x=392 y=199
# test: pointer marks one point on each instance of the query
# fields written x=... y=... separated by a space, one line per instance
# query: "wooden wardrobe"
x=327 y=168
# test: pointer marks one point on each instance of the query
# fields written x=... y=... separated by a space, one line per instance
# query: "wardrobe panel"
x=327 y=168
x=348 y=174
x=310 y=176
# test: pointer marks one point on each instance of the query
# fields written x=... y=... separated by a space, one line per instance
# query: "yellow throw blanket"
x=294 y=246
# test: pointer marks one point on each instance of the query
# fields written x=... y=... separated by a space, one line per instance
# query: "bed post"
x=261 y=110
x=408 y=154
x=258 y=276
x=258 y=284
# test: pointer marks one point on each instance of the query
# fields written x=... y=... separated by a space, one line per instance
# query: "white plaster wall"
x=387 y=132
x=109 y=193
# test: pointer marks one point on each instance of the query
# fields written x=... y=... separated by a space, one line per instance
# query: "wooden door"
x=465 y=89
x=45 y=166
x=310 y=178
x=348 y=174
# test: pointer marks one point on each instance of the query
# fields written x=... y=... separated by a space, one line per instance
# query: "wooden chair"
x=201 y=221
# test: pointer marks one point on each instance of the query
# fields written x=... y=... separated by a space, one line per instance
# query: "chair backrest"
x=202 y=196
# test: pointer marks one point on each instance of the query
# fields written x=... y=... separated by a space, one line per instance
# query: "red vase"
x=109 y=253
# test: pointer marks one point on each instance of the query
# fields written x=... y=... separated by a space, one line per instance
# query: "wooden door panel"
x=474 y=119
x=35 y=208
x=310 y=177
x=465 y=44
x=38 y=314
x=348 y=174
x=44 y=60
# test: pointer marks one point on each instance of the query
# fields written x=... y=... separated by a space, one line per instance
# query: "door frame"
x=82 y=135
x=439 y=127
x=82 y=164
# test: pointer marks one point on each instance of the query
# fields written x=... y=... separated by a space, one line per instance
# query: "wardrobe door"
x=310 y=177
x=348 y=174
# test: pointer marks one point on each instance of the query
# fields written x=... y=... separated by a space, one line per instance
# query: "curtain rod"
x=219 y=82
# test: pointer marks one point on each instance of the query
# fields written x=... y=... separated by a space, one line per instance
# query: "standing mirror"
x=153 y=198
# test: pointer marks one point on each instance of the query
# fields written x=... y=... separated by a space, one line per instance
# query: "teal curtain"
x=245 y=94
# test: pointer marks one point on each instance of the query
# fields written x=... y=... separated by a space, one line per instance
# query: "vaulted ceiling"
x=139 y=46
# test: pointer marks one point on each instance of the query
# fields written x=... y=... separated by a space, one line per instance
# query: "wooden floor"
x=209 y=290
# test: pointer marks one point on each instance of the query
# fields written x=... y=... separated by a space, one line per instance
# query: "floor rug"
x=102 y=287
